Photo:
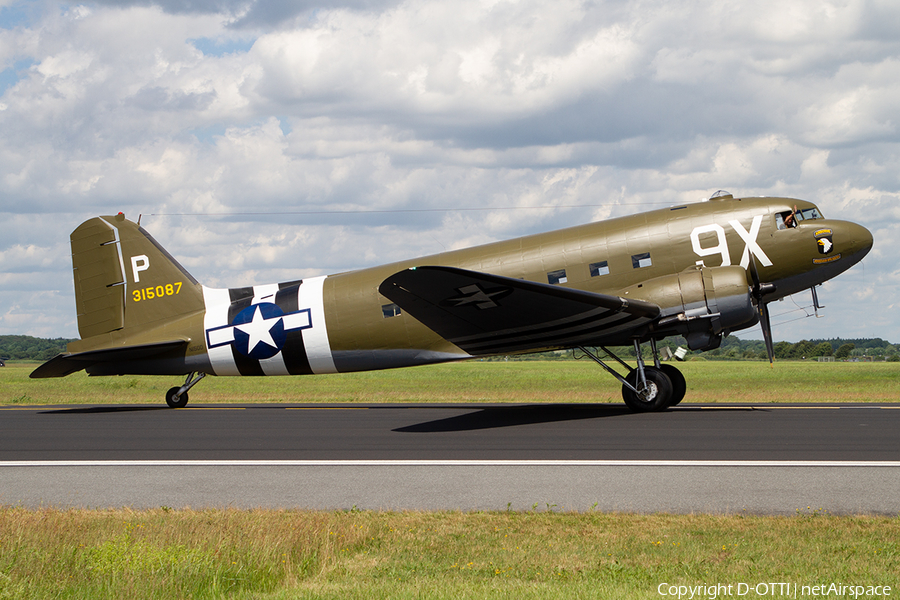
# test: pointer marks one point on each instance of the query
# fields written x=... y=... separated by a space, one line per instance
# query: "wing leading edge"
x=488 y=314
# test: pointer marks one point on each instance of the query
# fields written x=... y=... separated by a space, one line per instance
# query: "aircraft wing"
x=489 y=314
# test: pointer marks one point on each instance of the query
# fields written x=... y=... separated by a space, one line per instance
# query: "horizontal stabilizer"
x=65 y=364
x=488 y=314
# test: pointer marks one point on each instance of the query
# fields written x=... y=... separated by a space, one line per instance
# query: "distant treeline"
x=841 y=349
x=24 y=347
x=734 y=348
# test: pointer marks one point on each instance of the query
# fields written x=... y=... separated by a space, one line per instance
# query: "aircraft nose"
x=851 y=240
x=859 y=239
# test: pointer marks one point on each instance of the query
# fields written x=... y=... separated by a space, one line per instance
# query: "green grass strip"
x=477 y=381
x=368 y=555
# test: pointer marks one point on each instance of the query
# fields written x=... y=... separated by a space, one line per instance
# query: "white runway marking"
x=450 y=463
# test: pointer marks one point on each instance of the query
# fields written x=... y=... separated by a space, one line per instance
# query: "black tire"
x=679 y=385
x=175 y=401
x=658 y=395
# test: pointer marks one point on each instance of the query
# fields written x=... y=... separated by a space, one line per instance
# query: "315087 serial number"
x=159 y=291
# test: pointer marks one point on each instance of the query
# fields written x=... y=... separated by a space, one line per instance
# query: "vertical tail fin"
x=138 y=309
x=125 y=280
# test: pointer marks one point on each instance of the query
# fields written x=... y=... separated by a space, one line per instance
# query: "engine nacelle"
x=700 y=303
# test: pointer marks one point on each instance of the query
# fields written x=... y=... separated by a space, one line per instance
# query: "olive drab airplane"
x=699 y=270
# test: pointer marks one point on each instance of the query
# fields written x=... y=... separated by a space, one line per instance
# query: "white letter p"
x=138 y=264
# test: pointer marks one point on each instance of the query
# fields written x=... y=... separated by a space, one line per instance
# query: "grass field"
x=280 y=555
x=373 y=555
x=475 y=381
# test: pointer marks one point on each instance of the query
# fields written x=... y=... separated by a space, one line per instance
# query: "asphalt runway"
x=772 y=459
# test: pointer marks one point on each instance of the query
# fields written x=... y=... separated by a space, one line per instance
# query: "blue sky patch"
x=286 y=127
x=220 y=47
x=208 y=134
x=12 y=75
x=17 y=15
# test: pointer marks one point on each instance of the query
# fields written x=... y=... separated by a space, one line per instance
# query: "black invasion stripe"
x=591 y=316
x=559 y=328
x=591 y=336
x=524 y=342
x=294 y=351
x=287 y=298
x=241 y=298
x=238 y=294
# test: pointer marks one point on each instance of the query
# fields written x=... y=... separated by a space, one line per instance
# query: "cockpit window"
x=789 y=219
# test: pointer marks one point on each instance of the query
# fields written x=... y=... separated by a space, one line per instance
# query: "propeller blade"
x=766 y=327
x=758 y=291
x=754 y=274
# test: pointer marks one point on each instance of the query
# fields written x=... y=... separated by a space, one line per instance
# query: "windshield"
x=808 y=213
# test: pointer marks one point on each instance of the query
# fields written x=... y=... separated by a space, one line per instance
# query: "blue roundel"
x=259 y=331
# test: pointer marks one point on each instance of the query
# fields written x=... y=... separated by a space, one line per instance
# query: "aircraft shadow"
x=514 y=416
x=94 y=410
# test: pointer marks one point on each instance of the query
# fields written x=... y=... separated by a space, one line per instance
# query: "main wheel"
x=174 y=400
x=679 y=385
x=656 y=394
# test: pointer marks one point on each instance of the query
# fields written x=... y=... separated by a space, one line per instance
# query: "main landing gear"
x=177 y=397
x=646 y=388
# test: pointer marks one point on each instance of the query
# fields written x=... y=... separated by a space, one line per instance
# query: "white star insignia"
x=259 y=331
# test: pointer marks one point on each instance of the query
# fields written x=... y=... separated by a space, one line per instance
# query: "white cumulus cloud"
x=298 y=114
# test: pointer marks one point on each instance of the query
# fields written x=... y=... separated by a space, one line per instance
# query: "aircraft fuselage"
x=699 y=270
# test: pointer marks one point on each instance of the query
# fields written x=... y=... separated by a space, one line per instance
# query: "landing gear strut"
x=646 y=388
x=177 y=397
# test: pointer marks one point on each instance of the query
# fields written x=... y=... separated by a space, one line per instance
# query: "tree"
x=823 y=349
x=782 y=349
x=844 y=351
x=802 y=349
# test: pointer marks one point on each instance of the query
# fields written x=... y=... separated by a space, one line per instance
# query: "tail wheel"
x=174 y=400
x=679 y=385
x=654 y=395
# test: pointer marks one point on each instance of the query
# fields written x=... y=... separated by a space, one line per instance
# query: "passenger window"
x=555 y=277
x=599 y=268
x=639 y=261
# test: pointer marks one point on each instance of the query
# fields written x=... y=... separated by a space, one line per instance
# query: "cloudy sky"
x=267 y=141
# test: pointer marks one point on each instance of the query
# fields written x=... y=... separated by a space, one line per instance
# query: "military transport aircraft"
x=698 y=270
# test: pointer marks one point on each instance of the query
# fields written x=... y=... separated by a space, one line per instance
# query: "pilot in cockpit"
x=788 y=220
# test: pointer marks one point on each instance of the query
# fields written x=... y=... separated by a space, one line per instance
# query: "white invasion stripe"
x=217 y=301
x=452 y=463
x=315 y=339
x=273 y=365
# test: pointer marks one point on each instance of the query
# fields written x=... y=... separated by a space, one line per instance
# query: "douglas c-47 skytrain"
x=699 y=270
